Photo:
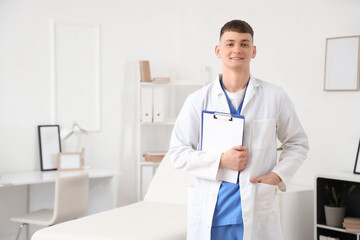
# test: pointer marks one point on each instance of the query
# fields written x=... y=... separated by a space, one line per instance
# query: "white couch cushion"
x=139 y=221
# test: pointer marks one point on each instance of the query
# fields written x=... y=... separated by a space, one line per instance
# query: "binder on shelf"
x=146 y=104
x=145 y=71
x=154 y=156
x=159 y=105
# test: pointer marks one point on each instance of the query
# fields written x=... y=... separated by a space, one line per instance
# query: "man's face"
x=236 y=50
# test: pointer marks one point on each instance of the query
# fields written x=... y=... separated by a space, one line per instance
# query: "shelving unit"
x=155 y=135
x=352 y=205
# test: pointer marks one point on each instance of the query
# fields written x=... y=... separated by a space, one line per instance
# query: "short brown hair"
x=239 y=26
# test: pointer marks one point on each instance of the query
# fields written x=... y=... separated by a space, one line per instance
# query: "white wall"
x=129 y=31
x=178 y=37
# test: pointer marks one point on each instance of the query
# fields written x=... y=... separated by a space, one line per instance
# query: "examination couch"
x=160 y=216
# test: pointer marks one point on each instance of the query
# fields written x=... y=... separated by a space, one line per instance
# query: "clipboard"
x=219 y=133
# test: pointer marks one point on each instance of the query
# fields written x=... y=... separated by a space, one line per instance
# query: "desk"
x=21 y=192
x=36 y=177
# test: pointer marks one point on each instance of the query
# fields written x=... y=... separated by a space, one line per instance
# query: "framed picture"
x=357 y=161
x=342 y=64
x=50 y=146
x=69 y=161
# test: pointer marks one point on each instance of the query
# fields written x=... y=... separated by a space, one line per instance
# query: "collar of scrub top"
x=231 y=106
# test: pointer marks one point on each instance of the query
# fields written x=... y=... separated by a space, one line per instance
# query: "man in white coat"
x=247 y=209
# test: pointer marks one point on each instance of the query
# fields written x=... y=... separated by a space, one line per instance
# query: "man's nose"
x=237 y=49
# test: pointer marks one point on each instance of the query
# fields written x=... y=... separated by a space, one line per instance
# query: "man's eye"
x=230 y=44
x=244 y=44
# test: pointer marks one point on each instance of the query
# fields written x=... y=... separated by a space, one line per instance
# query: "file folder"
x=159 y=102
x=146 y=104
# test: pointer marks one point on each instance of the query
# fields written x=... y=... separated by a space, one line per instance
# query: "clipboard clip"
x=223 y=116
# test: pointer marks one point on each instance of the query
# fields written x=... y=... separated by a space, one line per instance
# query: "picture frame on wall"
x=342 y=64
x=50 y=146
x=357 y=161
x=69 y=161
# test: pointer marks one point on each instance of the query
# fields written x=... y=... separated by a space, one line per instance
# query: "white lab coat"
x=269 y=114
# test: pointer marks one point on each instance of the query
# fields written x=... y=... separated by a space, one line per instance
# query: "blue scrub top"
x=228 y=209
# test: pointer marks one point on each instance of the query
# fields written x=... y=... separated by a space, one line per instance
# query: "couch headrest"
x=168 y=184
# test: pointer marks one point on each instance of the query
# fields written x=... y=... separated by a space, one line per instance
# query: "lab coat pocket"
x=264 y=199
x=263 y=133
x=194 y=204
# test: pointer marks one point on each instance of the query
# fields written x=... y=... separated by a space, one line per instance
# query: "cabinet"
x=296 y=212
x=158 y=106
x=352 y=205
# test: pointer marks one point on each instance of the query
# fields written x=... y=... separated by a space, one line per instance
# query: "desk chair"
x=71 y=201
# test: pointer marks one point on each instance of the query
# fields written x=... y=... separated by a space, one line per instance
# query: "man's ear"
x=217 y=51
x=254 y=52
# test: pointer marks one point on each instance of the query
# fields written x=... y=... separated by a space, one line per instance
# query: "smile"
x=236 y=58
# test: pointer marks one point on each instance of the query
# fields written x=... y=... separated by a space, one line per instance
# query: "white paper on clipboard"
x=219 y=133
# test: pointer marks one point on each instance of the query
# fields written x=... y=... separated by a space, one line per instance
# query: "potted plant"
x=335 y=208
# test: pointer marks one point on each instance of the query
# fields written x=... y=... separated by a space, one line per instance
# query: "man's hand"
x=271 y=178
x=235 y=158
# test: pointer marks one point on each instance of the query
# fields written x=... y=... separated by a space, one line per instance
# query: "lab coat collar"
x=222 y=104
x=250 y=92
x=218 y=89
x=253 y=83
